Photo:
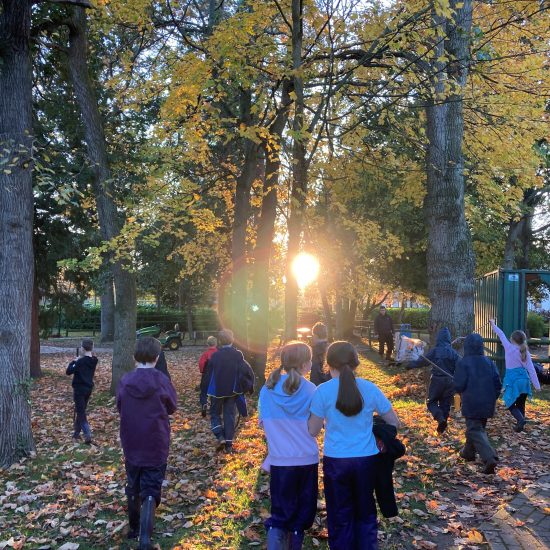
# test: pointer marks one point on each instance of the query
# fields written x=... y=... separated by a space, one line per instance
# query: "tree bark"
x=35 y=369
x=449 y=255
x=124 y=279
x=16 y=227
x=299 y=174
x=108 y=309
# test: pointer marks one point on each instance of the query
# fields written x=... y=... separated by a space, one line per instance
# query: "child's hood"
x=473 y=345
x=443 y=337
x=143 y=383
x=295 y=404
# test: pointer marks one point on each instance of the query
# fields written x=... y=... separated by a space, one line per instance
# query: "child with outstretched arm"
x=520 y=373
x=441 y=390
x=83 y=369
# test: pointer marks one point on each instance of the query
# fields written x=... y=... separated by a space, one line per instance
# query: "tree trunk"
x=339 y=315
x=124 y=279
x=108 y=309
x=16 y=227
x=189 y=317
x=299 y=174
x=449 y=254
x=36 y=371
x=259 y=315
x=327 y=310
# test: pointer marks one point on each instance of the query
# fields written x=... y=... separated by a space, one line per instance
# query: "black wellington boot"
x=146 y=523
x=134 y=504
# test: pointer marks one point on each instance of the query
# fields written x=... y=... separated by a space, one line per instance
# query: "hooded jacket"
x=442 y=354
x=477 y=380
x=83 y=370
x=228 y=374
x=145 y=398
x=284 y=419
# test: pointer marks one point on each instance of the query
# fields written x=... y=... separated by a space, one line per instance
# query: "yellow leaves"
x=474 y=536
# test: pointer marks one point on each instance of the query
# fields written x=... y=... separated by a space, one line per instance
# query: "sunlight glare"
x=305 y=269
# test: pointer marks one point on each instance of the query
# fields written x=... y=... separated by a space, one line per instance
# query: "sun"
x=305 y=269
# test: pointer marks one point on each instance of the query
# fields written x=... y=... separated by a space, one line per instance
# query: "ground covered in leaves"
x=72 y=496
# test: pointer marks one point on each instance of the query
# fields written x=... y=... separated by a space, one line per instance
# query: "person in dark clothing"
x=478 y=382
x=230 y=376
x=83 y=370
x=383 y=326
x=145 y=399
x=162 y=366
x=441 y=389
x=319 y=345
x=212 y=343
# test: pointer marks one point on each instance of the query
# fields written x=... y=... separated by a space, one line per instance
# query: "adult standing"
x=383 y=326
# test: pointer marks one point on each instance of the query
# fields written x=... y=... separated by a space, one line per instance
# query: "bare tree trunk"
x=124 y=279
x=108 y=309
x=449 y=255
x=299 y=174
x=327 y=310
x=339 y=317
x=16 y=227
x=35 y=369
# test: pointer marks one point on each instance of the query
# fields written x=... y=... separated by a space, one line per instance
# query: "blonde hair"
x=520 y=338
x=225 y=337
x=293 y=356
x=212 y=341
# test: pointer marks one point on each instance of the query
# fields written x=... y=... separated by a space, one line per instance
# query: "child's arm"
x=71 y=368
x=496 y=379
x=314 y=424
x=532 y=372
x=391 y=418
x=171 y=398
x=460 y=378
x=203 y=360
x=502 y=337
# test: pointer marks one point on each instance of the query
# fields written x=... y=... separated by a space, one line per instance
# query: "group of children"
x=292 y=412
x=476 y=379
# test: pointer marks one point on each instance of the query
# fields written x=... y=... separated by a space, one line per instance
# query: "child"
x=293 y=457
x=203 y=362
x=83 y=370
x=441 y=390
x=347 y=405
x=477 y=381
x=319 y=344
x=145 y=399
x=229 y=376
x=519 y=369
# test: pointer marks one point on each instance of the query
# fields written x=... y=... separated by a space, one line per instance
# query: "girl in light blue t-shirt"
x=346 y=406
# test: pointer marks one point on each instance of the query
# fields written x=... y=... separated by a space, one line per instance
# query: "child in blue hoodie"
x=441 y=390
x=293 y=456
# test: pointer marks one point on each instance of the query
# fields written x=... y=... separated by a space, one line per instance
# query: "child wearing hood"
x=478 y=383
x=293 y=454
x=441 y=389
x=520 y=374
x=145 y=399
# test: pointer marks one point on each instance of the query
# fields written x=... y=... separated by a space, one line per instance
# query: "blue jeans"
x=81 y=421
x=226 y=407
x=351 y=509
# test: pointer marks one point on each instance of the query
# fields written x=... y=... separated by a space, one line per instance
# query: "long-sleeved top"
x=442 y=354
x=512 y=357
x=162 y=366
x=145 y=398
x=83 y=370
x=205 y=357
x=319 y=352
x=383 y=324
x=477 y=380
x=284 y=419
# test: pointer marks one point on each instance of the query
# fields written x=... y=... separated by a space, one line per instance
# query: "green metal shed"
x=502 y=295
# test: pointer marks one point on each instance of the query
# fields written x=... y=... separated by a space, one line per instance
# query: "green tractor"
x=171 y=340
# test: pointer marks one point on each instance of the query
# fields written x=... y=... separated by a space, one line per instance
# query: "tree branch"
x=81 y=3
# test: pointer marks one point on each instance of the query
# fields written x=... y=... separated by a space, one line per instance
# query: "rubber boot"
x=296 y=540
x=134 y=504
x=277 y=539
x=87 y=433
x=520 y=419
x=146 y=523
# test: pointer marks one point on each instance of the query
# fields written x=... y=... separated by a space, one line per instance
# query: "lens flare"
x=305 y=269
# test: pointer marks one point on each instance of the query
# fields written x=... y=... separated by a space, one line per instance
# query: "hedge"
x=416 y=317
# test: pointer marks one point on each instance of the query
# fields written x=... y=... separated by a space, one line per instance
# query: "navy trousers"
x=226 y=407
x=351 y=509
x=440 y=397
x=144 y=481
x=293 y=492
x=81 y=421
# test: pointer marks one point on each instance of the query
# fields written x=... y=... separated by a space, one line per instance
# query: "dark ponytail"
x=342 y=357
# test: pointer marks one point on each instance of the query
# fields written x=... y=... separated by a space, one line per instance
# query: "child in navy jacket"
x=83 y=370
x=145 y=399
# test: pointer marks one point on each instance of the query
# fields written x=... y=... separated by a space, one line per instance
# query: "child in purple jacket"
x=145 y=399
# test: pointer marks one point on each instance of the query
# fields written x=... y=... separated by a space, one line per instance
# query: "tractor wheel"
x=173 y=345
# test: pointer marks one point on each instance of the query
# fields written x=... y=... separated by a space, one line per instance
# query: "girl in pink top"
x=519 y=370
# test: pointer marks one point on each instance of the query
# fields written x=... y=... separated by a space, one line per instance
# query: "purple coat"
x=145 y=398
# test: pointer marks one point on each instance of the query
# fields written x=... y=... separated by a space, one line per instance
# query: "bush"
x=536 y=326
x=416 y=317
